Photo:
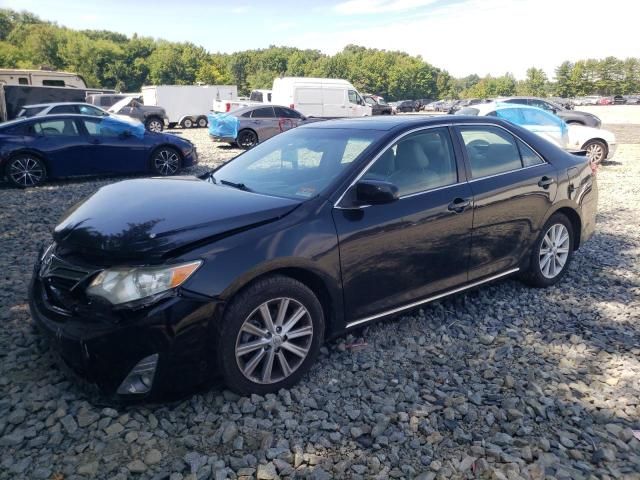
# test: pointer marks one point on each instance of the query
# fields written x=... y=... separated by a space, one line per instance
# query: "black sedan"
x=151 y=285
x=54 y=146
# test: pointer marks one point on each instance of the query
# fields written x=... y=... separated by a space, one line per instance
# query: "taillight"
x=292 y=106
x=594 y=167
x=227 y=107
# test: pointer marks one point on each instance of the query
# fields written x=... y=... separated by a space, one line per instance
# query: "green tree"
x=564 y=86
x=535 y=83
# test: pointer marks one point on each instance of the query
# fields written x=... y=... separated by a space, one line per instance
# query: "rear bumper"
x=216 y=138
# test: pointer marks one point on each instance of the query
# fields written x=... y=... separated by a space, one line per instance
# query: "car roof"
x=55 y=104
x=399 y=122
x=249 y=108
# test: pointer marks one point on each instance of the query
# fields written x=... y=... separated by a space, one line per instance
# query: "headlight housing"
x=123 y=285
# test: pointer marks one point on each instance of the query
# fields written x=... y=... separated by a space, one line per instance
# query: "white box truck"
x=319 y=97
x=187 y=105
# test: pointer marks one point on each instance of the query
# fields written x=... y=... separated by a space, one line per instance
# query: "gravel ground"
x=504 y=382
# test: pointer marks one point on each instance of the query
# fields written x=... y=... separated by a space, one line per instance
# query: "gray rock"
x=152 y=457
x=267 y=472
x=12 y=439
x=17 y=416
x=89 y=469
x=69 y=424
x=136 y=466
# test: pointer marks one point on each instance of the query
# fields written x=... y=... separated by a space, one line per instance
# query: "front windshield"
x=299 y=163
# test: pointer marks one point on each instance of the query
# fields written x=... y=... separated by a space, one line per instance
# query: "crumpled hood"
x=148 y=218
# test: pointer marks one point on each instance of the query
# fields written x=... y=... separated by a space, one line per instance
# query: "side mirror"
x=375 y=192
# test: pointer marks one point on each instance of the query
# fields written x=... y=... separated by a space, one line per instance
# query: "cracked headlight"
x=122 y=285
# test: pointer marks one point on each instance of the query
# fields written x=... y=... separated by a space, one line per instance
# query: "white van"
x=319 y=97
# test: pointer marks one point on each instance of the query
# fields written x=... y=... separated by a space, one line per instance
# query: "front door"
x=264 y=123
x=513 y=188
x=395 y=254
x=112 y=151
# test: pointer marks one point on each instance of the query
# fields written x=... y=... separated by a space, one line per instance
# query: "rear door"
x=62 y=144
x=513 y=188
x=264 y=122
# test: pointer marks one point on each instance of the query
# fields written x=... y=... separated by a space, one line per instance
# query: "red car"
x=605 y=101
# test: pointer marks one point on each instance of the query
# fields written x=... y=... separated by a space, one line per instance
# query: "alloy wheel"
x=166 y=162
x=155 y=126
x=274 y=340
x=595 y=152
x=247 y=139
x=554 y=250
x=26 y=171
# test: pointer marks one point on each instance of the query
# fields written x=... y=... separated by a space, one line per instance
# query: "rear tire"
x=187 y=123
x=552 y=253
x=202 y=122
x=26 y=170
x=165 y=161
x=247 y=139
x=256 y=350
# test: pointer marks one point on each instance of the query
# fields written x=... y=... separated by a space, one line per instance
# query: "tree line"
x=113 y=60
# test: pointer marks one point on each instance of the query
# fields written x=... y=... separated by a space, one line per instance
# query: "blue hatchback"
x=39 y=148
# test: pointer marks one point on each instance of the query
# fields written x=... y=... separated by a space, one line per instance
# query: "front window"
x=87 y=110
x=300 y=163
x=421 y=161
x=353 y=97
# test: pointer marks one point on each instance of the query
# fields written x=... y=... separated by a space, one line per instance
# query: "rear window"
x=263 y=113
x=30 y=112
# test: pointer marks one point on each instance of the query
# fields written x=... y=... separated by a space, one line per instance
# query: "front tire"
x=270 y=336
x=247 y=139
x=154 y=124
x=25 y=171
x=597 y=150
x=202 y=122
x=552 y=252
x=165 y=161
x=187 y=123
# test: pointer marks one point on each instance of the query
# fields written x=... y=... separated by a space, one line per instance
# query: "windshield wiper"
x=239 y=186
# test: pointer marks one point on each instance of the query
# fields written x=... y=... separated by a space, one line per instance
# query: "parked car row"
x=599 y=144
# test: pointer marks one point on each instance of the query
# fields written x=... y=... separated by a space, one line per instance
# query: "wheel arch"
x=25 y=151
x=164 y=145
x=312 y=279
x=251 y=130
x=576 y=223
x=598 y=139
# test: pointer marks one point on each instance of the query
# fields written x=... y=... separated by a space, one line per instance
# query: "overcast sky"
x=461 y=36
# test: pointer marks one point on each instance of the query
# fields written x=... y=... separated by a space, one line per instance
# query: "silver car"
x=251 y=125
x=61 y=107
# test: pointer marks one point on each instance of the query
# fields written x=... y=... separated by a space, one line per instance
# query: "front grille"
x=64 y=281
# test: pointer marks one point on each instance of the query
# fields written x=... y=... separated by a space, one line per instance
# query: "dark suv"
x=569 y=116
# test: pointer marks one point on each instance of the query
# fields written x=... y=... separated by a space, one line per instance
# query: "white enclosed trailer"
x=187 y=105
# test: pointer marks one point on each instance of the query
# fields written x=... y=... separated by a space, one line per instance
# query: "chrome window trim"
x=443 y=125
x=383 y=150
x=432 y=298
